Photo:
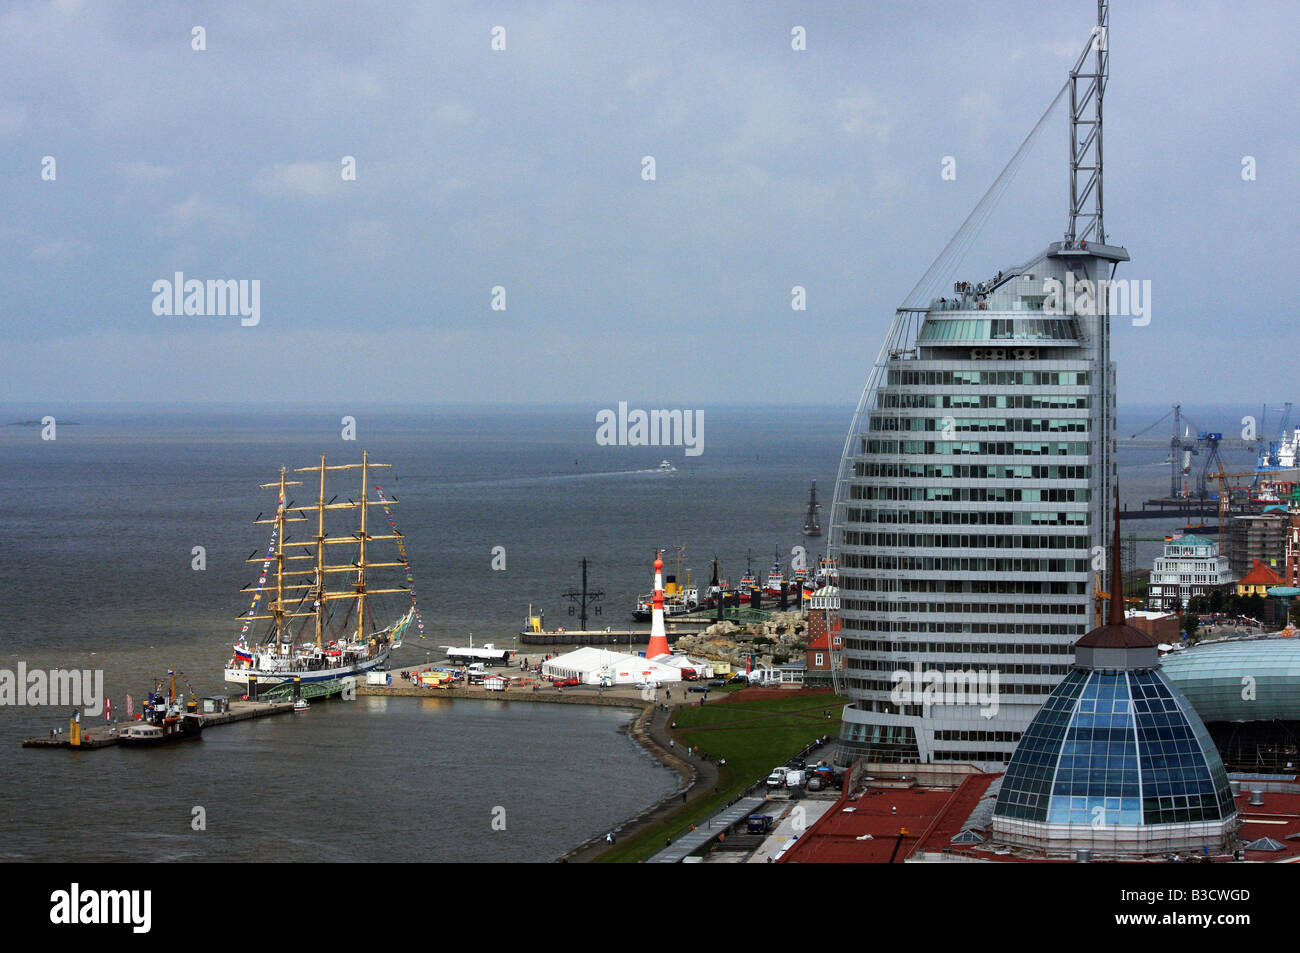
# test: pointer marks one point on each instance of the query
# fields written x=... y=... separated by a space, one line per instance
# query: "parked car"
x=738 y=680
x=704 y=689
x=567 y=682
x=716 y=683
x=796 y=764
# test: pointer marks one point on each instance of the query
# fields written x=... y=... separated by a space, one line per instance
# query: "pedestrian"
x=671 y=743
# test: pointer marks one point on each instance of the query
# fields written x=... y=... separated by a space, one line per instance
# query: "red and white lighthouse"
x=658 y=635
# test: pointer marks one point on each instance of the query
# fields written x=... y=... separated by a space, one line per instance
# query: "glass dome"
x=1116 y=748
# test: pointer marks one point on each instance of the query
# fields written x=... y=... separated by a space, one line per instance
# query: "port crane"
x=1099 y=612
x=1183 y=446
x=1225 y=501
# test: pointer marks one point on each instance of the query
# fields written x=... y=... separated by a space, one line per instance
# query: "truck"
x=759 y=824
x=777 y=778
x=794 y=779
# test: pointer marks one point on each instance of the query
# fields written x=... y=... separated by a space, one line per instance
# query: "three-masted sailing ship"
x=812 y=525
x=318 y=630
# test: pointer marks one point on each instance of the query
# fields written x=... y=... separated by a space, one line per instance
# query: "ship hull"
x=271 y=677
x=188 y=730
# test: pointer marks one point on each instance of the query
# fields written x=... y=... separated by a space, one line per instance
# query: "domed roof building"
x=1240 y=680
x=1117 y=761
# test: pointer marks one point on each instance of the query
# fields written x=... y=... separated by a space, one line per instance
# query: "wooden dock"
x=105 y=736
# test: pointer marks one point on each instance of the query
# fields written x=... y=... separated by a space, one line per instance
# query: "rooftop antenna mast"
x=1086 y=92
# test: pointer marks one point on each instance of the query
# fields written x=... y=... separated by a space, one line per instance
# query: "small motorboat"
x=666 y=467
x=300 y=706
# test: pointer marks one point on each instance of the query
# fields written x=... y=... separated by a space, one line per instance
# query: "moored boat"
x=345 y=640
x=165 y=718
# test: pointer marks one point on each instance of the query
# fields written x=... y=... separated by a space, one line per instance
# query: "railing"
x=285 y=690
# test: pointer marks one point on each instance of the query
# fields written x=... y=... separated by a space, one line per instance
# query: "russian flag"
x=243 y=654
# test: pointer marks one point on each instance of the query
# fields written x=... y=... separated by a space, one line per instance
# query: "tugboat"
x=678 y=599
x=775 y=576
x=165 y=719
x=748 y=584
x=319 y=632
x=811 y=524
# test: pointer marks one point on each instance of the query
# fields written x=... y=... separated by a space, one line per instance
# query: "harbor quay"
x=529 y=688
x=106 y=736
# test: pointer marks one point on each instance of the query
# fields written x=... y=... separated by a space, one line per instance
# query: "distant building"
x=1258 y=537
x=1258 y=580
x=819 y=654
x=1161 y=626
x=1291 y=574
x=824 y=639
x=1191 y=566
x=824 y=615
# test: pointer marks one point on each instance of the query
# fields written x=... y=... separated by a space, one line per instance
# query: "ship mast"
x=320 y=556
x=360 y=538
x=278 y=615
x=361 y=561
x=287 y=588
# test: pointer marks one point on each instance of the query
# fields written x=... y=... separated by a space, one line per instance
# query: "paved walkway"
x=692 y=841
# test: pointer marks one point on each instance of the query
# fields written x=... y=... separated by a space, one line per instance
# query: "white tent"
x=591 y=665
x=701 y=668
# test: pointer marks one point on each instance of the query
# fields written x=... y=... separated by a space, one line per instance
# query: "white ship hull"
x=278 y=675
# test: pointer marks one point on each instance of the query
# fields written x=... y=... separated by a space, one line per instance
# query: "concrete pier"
x=105 y=736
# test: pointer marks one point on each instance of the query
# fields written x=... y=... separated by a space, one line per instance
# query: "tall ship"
x=314 y=614
x=975 y=475
x=812 y=524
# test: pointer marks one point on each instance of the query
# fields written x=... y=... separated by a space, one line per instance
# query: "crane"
x=1225 y=502
x=1100 y=597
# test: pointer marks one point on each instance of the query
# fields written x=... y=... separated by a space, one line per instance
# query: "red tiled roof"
x=1261 y=574
x=1112 y=636
x=867 y=829
x=931 y=817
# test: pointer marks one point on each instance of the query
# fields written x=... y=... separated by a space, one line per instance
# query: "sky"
x=523 y=169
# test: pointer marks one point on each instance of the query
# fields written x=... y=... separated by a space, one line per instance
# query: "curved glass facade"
x=980 y=330
x=1116 y=749
x=1248 y=680
x=970 y=500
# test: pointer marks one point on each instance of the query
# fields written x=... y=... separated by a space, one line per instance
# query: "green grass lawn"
x=753 y=737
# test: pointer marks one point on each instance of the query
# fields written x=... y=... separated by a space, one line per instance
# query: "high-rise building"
x=974 y=481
